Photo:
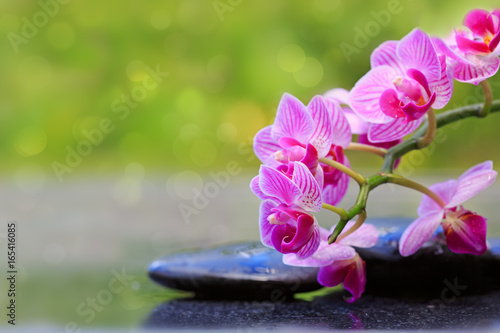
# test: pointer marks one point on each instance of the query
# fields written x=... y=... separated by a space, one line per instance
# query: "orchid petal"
x=443 y=190
x=476 y=20
x=365 y=96
x=416 y=51
x=333 y=193
x=356 y=123
x=321 y=138
x=293 y=120
x=254 y=186
x=394 y=130
x=264 y=145
x=341 y=129
x=312 y=245
x=325 y=255
x=385 y=54
x=471 y=185
x=275 y=184
x=341 y=95
x=365 y=236
x=355 y=280
x=306 y=234
x=414 y=112
x=310 y=199
x=465 y=233
x=471 y=46
x=483 y=68
x=417 y=233
x=481 y=167
x=390 y=104
x=319 y=176
x=442 y=87
x=266 y=228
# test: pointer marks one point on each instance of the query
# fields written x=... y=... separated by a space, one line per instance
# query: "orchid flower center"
x=283 y=213
x=487 y=40
x=411 y=89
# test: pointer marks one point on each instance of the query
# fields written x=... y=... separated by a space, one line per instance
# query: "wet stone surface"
x=251 y=271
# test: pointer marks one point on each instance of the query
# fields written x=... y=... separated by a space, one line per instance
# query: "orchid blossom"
x=465 y=231
x=407 y=79
x=474 y=54
x=305 y=134
x=339 y=262
x=285 y=219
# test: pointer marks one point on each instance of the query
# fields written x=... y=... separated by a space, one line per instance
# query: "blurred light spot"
x=171 y=122
x=128 y=192
x=188 y=133
x=203 y=153
x=291 y=58
x=34 y=72
x=30 y=178
x=197 y=17
x=54 y=253
x=136 y=71
x=176 y=45
x=227 y=132
x=135 y=171
x=31 y=141
x=60 y=35
x=160 y=19
x=310 y=74
x=9 y=23
x=190 y=101
x=248 y=119
x=184 y=185
x=215 y=83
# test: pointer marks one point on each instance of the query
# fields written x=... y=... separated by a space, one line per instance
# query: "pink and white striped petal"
x=471 y=185
x=419 y=232
x=293 y=120
x=365 y=96
x=385 y=54
x=266 y=228
x=264 y=145
x=416 y=51
x=321 y=138
x=310 y=198
x=444 y=86
x=341 y=130
x=444 y=190
x=275 y=184
x=483 y=67
x=365 y=236
x=394 y=130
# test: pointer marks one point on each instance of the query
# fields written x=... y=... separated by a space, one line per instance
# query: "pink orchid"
x=305 y=134
x=474 y=54
x=285 y=220
x=356 y=123
x=465 y=231
x=407 y=79
x=339 y=262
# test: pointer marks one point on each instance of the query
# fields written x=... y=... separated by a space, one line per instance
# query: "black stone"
x=241 y=271
x=469 y=313
x=252 y=271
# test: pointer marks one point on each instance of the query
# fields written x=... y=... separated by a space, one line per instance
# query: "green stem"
x=442 y=119
x=488 y=98
x=339 y=166
x=340 y=211
x=359 y=222
x=431 y=130
x=367 y=148
x=399 y=180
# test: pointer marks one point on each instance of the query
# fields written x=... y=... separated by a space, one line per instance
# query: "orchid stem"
x=398 y=180
x=488 y=99
x=431 y=130
x=359 y=222
x=340 y=211
x=348 y=171
x=367 y=148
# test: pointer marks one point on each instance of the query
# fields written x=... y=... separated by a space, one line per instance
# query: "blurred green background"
x=228 y=63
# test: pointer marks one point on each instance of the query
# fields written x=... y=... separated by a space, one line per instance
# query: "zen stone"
x=252 y=271
x=241 y=271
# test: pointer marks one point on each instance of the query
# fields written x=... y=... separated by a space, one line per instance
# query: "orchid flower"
x=465 y=231
x=339 y=262
x=474 y=54
x=285 y=219
x=357 y=124
x=407 y=79
x=305 y=134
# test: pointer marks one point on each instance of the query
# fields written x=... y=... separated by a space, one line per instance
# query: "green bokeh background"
x=227 y=72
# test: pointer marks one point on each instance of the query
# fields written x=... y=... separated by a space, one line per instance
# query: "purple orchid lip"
x=413 y=111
